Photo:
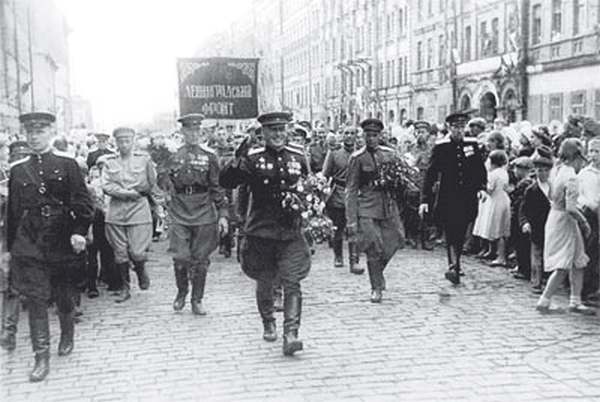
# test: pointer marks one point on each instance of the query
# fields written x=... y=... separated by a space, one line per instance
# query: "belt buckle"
x=45 y=211
x=189 y=190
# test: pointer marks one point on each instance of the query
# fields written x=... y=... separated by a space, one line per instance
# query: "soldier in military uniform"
x=336 y=168
x=129 y=178
x=371 y=213
x=458 y=164
x=198 y=209
x=102 y=149
x=49 y=212
x=273 y=243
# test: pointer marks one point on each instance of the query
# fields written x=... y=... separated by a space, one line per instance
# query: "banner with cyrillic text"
x=218 y=87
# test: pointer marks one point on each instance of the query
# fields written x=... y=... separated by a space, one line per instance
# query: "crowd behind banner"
x=522 y=162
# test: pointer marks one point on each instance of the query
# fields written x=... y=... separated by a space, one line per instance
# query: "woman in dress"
x=566 y=227
x=493 y=223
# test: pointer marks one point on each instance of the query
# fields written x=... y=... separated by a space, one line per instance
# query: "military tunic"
x=191 y=176
x=48 y=202
x=129 y=218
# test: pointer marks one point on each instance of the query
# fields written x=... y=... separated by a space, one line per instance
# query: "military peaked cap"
x=37 y=119
x=274 y=118
x=371 y=124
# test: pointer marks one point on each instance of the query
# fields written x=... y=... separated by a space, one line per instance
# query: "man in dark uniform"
x=458 y=164
x=371 y=211
x=198 y=210
x=102 y=149
x=336 y=168
x=273 y=243
x=49 y=212
x=317 y=149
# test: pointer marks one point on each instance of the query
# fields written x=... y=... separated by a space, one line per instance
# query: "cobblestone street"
x=428 y=341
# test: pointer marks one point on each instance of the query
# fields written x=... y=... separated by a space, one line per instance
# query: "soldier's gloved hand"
x=78 y=243
x=423 y=210
x=526 y=228
x=223 y=225
x=244 y=147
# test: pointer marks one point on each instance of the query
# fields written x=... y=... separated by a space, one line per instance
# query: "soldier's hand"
x=223 y=225
x=526 y=228
x=244 y=147
x=78 y=243
x=423 y=210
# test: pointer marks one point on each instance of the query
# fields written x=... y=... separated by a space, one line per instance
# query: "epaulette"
x=255 y=151
x=442 y=141
x=470 y=139
x=19 y=161
x=62 y=154
x=208 y=149
x=359 y=151
x=386 y=148
x=295 y=150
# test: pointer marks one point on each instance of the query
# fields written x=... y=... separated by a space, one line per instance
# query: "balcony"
x=564 y=49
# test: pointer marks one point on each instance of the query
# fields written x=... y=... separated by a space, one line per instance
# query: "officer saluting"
x=273 y=244
x=458 y=164
x=198 y=209
x=49 y=212
x=371 y=212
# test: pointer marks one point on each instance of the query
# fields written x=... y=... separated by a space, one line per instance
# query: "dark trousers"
x=101 y=246
x=338 y=217
x=522 y=245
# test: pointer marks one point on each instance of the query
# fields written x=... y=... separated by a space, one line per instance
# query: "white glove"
x=223 y=225
x=78 y=243
x=423 y=209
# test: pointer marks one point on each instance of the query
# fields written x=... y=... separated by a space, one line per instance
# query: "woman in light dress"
x=566 y=227
x=493 y=221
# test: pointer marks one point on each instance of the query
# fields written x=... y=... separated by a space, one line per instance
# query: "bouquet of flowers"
x=397 y=178
x=161 y=149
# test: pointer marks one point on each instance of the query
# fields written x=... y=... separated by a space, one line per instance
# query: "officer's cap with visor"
x=191 y=120
x=300 y=130
x=457 y=119
x=123 y=132
x=274 y=118
x=371 y=125
x=477 y=122
x=37 y=119
x=422 y=124
x=102 y=136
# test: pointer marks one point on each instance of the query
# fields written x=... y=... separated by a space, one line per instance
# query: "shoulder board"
x=18 y=162
x=359 y=151
x=295 y=150
x=385 y=148
x=442 y=141
x=62 y=154
x=255 y=151
x=470 y=139
x=208 y=149
x=142 y=154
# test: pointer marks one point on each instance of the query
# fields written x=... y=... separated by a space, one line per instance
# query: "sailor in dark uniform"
x=49 y=213
x=273 y=243
x=458 y=164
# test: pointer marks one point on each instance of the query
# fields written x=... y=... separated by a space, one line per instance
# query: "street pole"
x=30 y=48
x=310 y=84
x=281 y=63
x=17 y=60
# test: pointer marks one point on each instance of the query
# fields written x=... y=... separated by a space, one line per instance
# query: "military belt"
x=193 y=189
x=46 y=211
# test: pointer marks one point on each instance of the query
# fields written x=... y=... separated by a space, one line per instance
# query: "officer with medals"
x=129 y=178
x=335 y=167
x=458 y=164
x=371 y=212
x=198 y=210
x=48 y=216
x=273 y=243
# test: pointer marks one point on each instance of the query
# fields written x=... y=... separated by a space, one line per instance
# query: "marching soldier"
x=198 y=209
x=273 y=243
x=458 y=163
x=371 y=213
x=129 y=178
x=336 y=168
x=49 y=212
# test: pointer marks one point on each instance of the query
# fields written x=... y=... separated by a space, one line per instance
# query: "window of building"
x=467 y=55
x=556 y=17
x=392 y=73
x=419 y=56
x=578 y=102
x=388 y=26
x=406 y=70
x=441 y=53
x=485 y=39
x=400 y=22
x=578 y=15
x=400 y=76
x=420 y=10
x=597 y=104
x=536 y=24
x=429 y=53
x=420 y=113
x=555 y=107
x=495 y=36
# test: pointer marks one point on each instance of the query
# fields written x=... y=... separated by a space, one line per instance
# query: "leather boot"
x=278 y=298
x=266 y=310
x=376 y=279
x=67 y=330
x=124 y=294
x=291 y=324
x=338 y=251
x=181 y=280
x=353 y=257
x=10 y=319
x=40 y=340
x=198 y=282
x=142 y=275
